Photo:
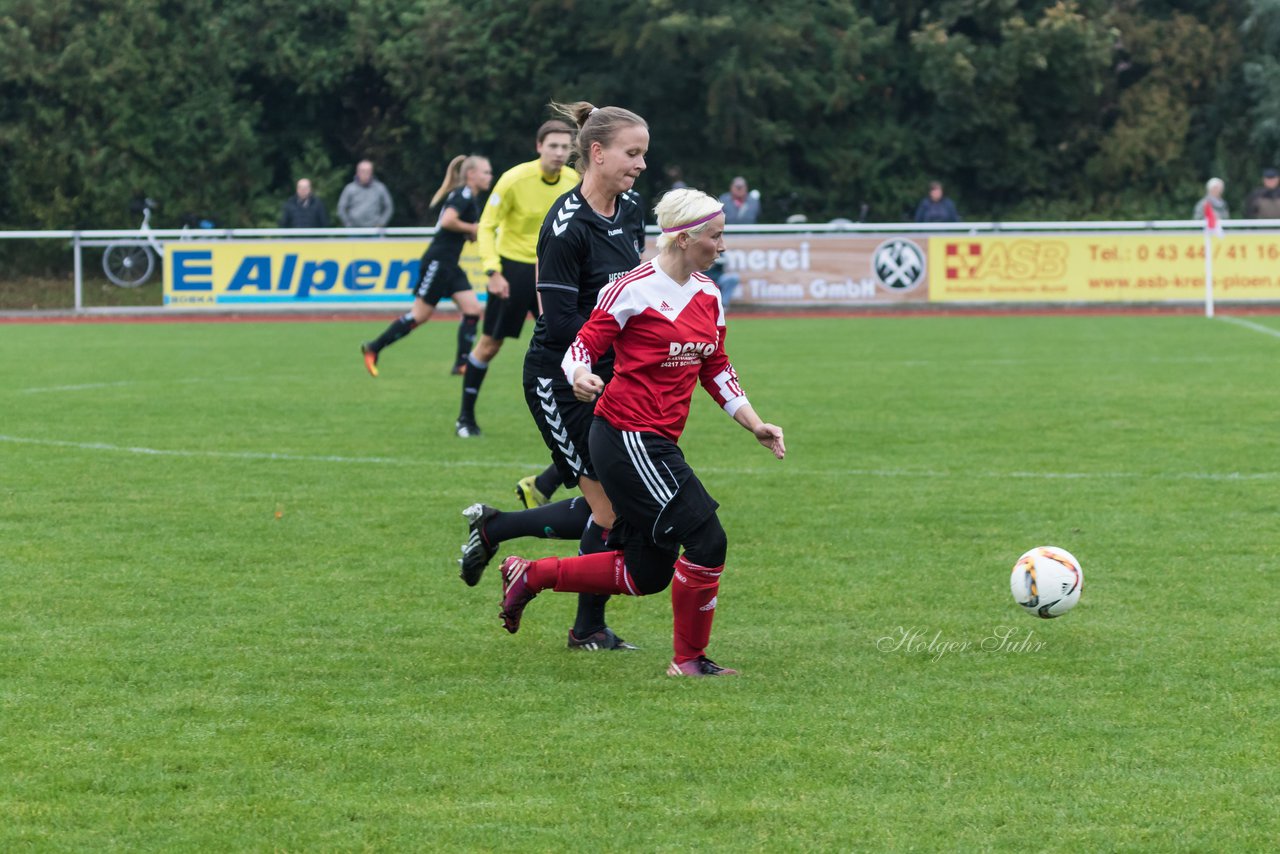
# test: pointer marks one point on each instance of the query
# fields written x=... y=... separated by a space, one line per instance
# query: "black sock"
x=399 y=328
x=549 y=481
x=466 y=336
x=562 y=520
x=472 y=377
x=590 y=618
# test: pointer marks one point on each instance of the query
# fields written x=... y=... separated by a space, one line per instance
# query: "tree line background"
x=1025 y=109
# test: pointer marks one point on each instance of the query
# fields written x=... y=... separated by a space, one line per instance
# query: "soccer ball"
x=1047 y=581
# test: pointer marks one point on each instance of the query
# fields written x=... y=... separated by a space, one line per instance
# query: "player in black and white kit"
x=588 y=240
x=439 y=275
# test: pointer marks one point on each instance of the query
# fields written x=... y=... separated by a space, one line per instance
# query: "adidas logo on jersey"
x=665 y=307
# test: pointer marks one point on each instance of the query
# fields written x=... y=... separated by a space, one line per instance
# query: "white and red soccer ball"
x=1046 y=581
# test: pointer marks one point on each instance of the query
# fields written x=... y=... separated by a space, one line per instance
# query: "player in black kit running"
x=439 y=275
x=588 y=240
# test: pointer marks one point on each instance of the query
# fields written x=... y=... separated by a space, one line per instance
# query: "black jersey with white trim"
x=447 y=245
x=579 y=253
x=637 y=217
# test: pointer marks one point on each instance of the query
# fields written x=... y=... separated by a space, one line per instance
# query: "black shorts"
x=504 y=318
x=438 y=279
x=564 y=422
x=654 y=492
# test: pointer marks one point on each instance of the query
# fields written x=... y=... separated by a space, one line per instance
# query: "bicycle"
x=129 y=263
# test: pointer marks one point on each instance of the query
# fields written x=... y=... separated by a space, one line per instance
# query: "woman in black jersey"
x=588 y=240
x=439 y=275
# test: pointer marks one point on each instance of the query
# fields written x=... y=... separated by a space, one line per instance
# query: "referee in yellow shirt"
x=507 y=238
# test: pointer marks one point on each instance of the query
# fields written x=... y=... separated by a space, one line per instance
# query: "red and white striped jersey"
x=666 y=337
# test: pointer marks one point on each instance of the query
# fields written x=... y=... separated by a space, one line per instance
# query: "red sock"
x=603 y=572
x=693 y=605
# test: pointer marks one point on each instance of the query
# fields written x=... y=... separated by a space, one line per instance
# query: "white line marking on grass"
x=123 y=383
x=1249 y=324
x=512 y=464
x=82 y=387
x=1004 y=475
x=1056 y=362
x=261 y=455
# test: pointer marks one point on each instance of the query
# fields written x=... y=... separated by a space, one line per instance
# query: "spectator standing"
x=741 y=206
x=675 y=177
x=365 y=202
x=1264 y=202
x=936 y=207
x=1212 y=198
x=304 y=209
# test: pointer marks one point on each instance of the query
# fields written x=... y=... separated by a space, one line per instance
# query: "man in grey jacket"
x=365 y=202
x=740 y=207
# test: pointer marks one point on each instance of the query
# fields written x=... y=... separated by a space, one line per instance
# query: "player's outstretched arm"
x=769 y=435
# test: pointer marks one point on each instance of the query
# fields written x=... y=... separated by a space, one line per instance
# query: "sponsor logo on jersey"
x=682 y=354
x=701 y=348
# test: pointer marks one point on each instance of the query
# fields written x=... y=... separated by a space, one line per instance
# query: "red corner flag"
x=1212 y=224
x=1212 y=228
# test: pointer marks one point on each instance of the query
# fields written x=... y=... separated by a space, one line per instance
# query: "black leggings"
x=651 y=566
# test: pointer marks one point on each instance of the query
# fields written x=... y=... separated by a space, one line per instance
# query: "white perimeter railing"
x=99 y=238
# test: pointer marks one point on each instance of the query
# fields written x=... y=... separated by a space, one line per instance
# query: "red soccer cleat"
x=515 y=592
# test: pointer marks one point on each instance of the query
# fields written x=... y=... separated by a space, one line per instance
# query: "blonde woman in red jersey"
x=665 y=323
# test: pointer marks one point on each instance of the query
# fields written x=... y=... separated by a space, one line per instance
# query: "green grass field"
x=230 y=617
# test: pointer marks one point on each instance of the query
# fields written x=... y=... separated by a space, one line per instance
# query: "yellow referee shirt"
x=514 y=213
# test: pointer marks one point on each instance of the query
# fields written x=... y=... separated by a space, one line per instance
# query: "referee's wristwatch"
x=490 y=273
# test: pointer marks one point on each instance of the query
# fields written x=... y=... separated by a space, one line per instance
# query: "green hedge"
x=1071 y=109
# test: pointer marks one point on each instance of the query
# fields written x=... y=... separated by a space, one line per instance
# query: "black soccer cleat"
x=477 y=552
x=466 y=428
x=602 y=640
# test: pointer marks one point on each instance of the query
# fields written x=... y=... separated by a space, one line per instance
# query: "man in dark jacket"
x=1264 y=202
x=936 y=207
x=304 y=209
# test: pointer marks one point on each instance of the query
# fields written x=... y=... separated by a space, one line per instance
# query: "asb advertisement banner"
x=826 y=269
x=269 y=274
x=1150 y=267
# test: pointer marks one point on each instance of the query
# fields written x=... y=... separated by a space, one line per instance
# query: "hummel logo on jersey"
x=665 y=307
x=614 y=232
x=565 y=214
